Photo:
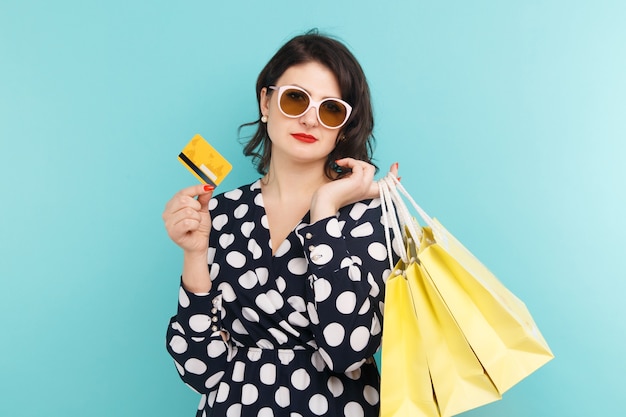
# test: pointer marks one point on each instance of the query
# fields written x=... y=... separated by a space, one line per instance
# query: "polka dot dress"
x=301 y=325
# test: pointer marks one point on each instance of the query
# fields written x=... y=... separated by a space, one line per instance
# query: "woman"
x=287 y=316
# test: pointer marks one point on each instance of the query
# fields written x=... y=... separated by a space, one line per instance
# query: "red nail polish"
x=399 y=178
x=209 y=187
x=397 y=165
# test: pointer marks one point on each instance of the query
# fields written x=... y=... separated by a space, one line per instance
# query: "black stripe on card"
x=195 y=169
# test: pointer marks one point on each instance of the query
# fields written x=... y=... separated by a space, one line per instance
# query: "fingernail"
x=399 y=178
x=209 y=187
x=397 y=165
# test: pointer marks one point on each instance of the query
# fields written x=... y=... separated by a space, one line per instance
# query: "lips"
x=303 y=137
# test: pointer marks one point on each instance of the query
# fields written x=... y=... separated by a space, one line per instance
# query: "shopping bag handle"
x=396 y=213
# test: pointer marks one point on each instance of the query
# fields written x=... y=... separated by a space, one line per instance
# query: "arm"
x=348 y=264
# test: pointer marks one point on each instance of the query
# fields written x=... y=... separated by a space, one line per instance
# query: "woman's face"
x=302 y=139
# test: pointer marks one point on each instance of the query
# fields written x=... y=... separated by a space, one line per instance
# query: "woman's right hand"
x=187 y=219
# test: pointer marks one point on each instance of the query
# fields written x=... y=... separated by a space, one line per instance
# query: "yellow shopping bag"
x=406 y=388
x=459 y=303
x=459 y=380
x=495 y=322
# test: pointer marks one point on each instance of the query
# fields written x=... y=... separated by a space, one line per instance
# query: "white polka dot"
x=247 y=228
x=238 y=327
x=346 y=302
x=312 y=311
x=281 y=284
x=362 y=230
x=226 y=239
x=300 y=379
x=321 y=255
x=297 y=266
x=371 y=395
x=288 y=328
x=327 y=358
x=332 y=228
x=322 y=289
x=376 y=326
x=276 y=299
x=228 y=294
x=265 y=412
x=353 y=409
x=250 y=315
x=200 y=323
x=262 y=274
x=212 y=204
x=214 y=271
x=236 y=259
x=298 y=319
x=318 y=362
x=334 y=334
x=283 y=248
x=258 y=200
x=210 y=401
x=280 y=337
x=254 y=249
x=354 y=273
x=318 y=404
x=248 y=280
x=377 y=251
x=264 y=303
x=183 y=300
x=264 y=344
x=375 y=289
x=268 y=374
x=219 y=222
x=359 y=338
x=238 y=372
x=366 y=307
x=234 y=194
x=249 y=394
x=178 y=344
x=202 y=402
x=214 y=379
x=282 y=397
x=335 y=386
x=357 y=211
x=222 y=392
x=234 y=410
x=297 y=303
x=210 y=255
x=264 y=222
x=354 y=371
x=241 y=211
x=195 y=366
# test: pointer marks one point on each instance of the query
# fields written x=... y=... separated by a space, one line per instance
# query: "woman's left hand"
x=356 y=186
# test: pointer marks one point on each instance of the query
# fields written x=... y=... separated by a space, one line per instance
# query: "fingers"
x=185 y=214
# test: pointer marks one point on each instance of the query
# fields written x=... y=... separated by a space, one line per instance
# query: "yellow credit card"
x=204 y=162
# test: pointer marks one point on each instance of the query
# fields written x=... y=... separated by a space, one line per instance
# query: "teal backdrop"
x=508 y=119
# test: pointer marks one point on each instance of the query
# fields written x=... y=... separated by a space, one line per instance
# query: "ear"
x=264 y=102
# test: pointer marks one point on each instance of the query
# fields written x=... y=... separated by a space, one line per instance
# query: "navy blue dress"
x=302 y=324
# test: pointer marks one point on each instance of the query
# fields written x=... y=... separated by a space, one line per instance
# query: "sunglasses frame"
x=312 y=103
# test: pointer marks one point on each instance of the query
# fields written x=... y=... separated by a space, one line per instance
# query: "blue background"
x=507 y=119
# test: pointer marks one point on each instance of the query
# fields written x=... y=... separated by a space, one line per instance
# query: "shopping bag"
x=495 y=322
x=459 y=379
x=497 y=325
x=406 y=388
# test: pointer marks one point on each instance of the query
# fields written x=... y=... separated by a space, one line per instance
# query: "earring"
x=264 y=119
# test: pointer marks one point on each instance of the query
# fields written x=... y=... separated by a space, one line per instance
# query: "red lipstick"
x=303 y=137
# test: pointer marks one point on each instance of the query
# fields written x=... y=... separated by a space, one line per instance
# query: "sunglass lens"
x=294 y=102
x=332 y=113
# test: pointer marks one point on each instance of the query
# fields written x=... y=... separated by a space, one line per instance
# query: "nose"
x=309 y=118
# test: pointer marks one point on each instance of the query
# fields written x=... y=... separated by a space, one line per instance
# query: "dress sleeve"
x=348 y=266
x=194 y=340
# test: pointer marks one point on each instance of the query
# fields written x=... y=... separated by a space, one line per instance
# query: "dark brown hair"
x=358 y=139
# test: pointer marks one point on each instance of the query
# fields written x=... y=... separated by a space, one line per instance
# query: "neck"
x=293 y=181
